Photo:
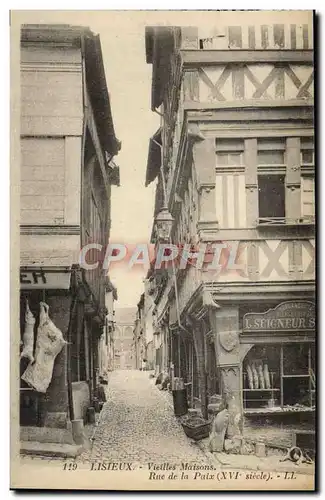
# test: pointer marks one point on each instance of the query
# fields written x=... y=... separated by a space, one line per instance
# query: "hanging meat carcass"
x=28 y=335
x=49 y=344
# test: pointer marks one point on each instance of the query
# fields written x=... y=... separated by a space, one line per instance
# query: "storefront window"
x=279 y=376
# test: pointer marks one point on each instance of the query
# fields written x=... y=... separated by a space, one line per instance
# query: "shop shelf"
x=263 y=390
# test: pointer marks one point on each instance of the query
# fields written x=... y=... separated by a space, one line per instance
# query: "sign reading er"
x=44 y=279
x=288 y=316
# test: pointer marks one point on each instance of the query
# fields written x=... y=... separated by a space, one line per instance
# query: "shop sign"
x=287 y=316
x=32 y=279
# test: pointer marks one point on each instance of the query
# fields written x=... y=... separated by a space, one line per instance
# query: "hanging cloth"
x=28 y=335
x=49 y=344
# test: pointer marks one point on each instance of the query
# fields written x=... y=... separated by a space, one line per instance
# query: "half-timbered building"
x=67 y=170
x=237 y=170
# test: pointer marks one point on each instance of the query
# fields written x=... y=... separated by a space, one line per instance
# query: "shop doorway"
x=212 y=379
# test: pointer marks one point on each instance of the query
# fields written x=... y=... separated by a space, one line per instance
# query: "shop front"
x=260 y=356
x=44 y=294
x=278 y=371
x=279 y=368
x=60 y=329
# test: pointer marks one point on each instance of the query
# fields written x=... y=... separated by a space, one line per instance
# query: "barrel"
x=180 y=402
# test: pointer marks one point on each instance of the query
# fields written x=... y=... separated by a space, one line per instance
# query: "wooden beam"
x=243 y=116
x=90 y=118
x=263 y=129
x=49 y=229
x=248 y=103
x=72 y=194
x=286 y=290
x=212 y=57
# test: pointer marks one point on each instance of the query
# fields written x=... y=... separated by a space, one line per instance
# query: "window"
x=232 y=158
x=230 y=153
x=271 y=180
x=271 y=196
x=270 y=157
x=230 y=183
x=307 y=151
x=279 y=376
x=271 y=154
x=307 y=196
x=307 y=157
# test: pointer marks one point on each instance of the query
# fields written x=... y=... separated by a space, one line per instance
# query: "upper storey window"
x=271 y=155
x=230 y=184
x=229 y=159
x=307 y=155
x=229 y=154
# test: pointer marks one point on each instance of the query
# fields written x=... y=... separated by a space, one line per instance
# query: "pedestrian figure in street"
x=144 y=365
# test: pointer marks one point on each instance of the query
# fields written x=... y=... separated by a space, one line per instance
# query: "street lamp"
x=163 y=224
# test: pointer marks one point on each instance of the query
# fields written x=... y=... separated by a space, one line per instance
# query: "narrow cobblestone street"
x=138 y=424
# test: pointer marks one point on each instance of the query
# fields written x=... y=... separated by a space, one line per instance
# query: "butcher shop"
x=44 y=315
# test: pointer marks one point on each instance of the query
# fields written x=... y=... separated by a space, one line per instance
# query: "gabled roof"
x=160 y=44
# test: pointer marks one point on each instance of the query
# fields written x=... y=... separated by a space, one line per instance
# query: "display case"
x=279 y=377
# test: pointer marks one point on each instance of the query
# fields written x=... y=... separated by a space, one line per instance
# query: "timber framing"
x=277 y=291
x=50 y=229
x=287 y=232
x=241 y=293
x=243 y=115
x=284 y=105
x=193 y=58
x=284 y=338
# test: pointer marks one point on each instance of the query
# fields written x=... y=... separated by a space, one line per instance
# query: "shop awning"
x=154 y=157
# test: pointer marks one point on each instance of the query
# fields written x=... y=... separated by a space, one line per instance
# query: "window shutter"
x=293 y=175
x=250 y=161
x=293 y=161
x=308 y=197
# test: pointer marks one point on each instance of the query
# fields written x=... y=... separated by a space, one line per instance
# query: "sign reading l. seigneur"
x=287 y=316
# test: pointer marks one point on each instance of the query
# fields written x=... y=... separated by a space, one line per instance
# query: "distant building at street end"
x=123 y=338
x=143 y=342
x=106 y=342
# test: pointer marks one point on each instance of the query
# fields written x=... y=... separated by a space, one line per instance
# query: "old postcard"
x=163 y=250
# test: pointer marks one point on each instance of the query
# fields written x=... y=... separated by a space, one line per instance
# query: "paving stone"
x=138 y=423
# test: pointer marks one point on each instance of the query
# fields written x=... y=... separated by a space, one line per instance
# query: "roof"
x=83 y=38
x=125 y=315
x=160 y=44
